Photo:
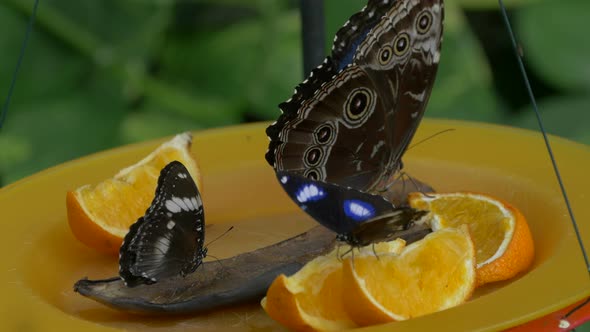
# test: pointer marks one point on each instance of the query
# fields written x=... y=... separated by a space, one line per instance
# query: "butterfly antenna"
x=374 y=252
x=430 y=137
x=220 y=236
x=18 y=63
x=217 y=238
x=518 y=52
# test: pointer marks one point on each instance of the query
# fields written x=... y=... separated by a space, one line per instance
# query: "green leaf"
x=13 y=150
x=556 y=42
x=152 y=122
x=490 y=4
x=463 y=88
x=129 y=29
x=60 y=129
x=565 y=116
x=47 y=69
x=214 y=63
x=208 y=110
x=280 y=68
x=255 y=63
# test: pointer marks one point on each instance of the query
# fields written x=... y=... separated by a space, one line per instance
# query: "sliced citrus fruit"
x=503 y=241
x=429 y=275
x=100 y=215
x=311 y=299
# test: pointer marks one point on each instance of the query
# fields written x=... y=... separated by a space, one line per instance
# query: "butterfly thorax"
x=385 y=227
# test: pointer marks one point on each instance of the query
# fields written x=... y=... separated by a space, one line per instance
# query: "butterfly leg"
x=406 y=175
x=351 y=250
x=374 y=252
x=217 y=260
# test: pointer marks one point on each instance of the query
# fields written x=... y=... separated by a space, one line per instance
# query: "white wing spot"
x=180 y=203
x=189 y=204
x=161 y=246
x=284 y=179
x=170 y=224
x=309 y=193
x=195 y=203
x=182 y=175
x=172 y=206
x=359 y=210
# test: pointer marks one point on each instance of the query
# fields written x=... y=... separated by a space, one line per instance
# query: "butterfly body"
x=358 y=218
x=351 y=121
x=168 y=240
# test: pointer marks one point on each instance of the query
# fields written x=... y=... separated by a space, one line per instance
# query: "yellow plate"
x=42 y=260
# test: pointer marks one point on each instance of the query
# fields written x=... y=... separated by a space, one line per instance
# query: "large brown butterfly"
x=351 y=121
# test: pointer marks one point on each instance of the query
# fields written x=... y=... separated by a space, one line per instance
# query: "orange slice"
x=503 y=241
x=100 y=215
x=311 y=299
x=430 y=275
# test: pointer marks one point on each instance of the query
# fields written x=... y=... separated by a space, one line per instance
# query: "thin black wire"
x=576 y=308
x=18 y=64
x=545 y=137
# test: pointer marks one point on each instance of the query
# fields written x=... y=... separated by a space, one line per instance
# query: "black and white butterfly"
x=358 y=218
x=168 y=240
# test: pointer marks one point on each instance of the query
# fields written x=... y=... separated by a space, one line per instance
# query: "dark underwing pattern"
x=168 y=240
x=351 y=121
x=358 y=218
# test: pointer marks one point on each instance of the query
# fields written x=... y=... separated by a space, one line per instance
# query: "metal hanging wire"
x=542 y=128
x=21 y=56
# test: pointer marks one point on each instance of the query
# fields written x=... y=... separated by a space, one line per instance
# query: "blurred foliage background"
x=98 y=74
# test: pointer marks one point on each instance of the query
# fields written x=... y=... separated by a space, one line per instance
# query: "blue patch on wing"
x=358 y=210
x=347 y=59
x=309 y=193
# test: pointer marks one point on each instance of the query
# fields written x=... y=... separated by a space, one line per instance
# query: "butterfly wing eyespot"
x=325 y=134
x=424 y=22
x=385 y=55
x=313 y=156
x=312 y=174
x=358 y=106
x=401 y=44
